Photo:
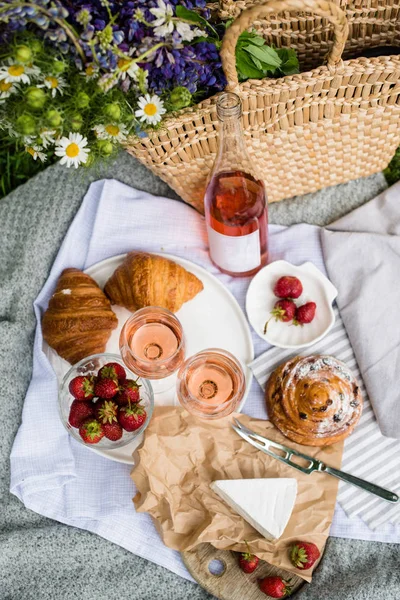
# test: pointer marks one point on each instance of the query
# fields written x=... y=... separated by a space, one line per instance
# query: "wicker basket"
x=372 y=23
x=304 y=132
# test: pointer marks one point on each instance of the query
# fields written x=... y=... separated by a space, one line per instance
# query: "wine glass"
x=211 y=384
x=152 y=345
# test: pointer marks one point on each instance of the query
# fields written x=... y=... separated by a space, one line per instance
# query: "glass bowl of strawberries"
x=103 y=404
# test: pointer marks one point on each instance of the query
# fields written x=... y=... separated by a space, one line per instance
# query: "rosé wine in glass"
x=152 y=343
x=211 y=384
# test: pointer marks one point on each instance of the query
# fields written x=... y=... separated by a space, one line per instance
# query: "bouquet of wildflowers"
x=77 y=77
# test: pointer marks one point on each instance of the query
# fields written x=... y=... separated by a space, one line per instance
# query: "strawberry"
x=288 y=287
x=91 y=431
x=106 y=388
x=276 y=587
x=305 y=313
x=284 y=310
x=132 y=417
x=247 y=561
x=113 y=431
x=112 y=370
x=79 y=412
x=129 y=392
x=304 y=554
x=106 y=411
x=82 y=387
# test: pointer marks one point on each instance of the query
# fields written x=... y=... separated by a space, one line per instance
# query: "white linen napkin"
x=56 y=476
x=362 y=256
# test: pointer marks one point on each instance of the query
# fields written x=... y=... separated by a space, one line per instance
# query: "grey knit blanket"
x=41 y=559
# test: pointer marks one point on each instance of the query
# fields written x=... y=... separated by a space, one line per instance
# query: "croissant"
x=314 y=400
x=145 y=279
x=79 y=319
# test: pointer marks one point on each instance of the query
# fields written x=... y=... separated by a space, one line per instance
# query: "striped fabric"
x=367 y=453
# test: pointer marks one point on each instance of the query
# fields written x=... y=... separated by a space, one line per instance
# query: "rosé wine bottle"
x=235 y=200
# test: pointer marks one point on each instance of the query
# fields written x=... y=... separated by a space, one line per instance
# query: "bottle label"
x=235 y=254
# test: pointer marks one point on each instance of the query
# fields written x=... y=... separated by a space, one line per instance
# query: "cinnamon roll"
x=314 y=400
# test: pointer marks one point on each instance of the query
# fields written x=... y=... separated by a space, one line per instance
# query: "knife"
x=307 y=464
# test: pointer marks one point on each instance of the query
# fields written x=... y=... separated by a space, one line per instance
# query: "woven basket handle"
x=330 y=11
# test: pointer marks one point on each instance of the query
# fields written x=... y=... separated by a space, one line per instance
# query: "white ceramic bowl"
x=261 y=299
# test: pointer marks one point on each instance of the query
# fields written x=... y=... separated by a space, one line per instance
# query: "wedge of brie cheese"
x=264 y=503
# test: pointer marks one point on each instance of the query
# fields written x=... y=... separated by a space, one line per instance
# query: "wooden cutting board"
x=231 y=583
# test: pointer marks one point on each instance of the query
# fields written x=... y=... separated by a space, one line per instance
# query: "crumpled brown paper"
x=182 y=455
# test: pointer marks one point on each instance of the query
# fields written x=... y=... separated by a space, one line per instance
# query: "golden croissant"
x=145 y=279
x=79 y=319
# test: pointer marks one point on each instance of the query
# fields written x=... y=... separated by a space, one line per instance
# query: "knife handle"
x=361 y=483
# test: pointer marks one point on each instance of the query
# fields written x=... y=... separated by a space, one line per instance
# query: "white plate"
x=261 y=299
x=213 y=319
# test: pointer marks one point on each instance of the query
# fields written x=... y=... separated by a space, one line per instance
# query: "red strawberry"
x=132 y=417
x=288 y=287
x=106 y=388
x=79 y=412
x=113 y=431
x=305 y=313
x=91 y=431
x=275 y=587
x=304 y=554
x=247 y=561
x=82 y=387
x=284 y=310
x=106 y=411
x=112 y=370
x=129 y=393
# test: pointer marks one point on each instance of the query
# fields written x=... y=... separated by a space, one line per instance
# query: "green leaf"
x=266 y=54
x=190 y=15
x=290 y=63
x=253 y=38
x=246 y=68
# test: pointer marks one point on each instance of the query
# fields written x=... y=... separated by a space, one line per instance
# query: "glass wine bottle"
x=235 y=199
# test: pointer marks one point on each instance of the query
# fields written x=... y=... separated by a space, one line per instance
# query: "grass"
x=392 y=172
x=17 y=166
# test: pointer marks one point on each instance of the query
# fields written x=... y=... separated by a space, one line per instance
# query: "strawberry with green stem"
x=82 y=387
x=112 y=370
x=132 y=417
x=106 y=411
x=275 y=587
x=304 y=554
x=129 y=392
x=247 y=560
x=284 y=310
x=91 y=431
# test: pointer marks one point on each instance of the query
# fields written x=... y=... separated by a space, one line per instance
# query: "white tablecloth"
x=54 y=475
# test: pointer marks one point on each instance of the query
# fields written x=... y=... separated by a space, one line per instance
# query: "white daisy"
x=35 y=152
x=48 y=137
x=91 y=71
x=6 y=89
x=187 y=34
x=55 y=84
x=151 y=108
x=15 y=72
x=115 y=133
x=163 y=24
x=126 y=66
x=72 y=149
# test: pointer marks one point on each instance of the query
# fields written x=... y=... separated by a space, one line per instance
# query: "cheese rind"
x=264 y=503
